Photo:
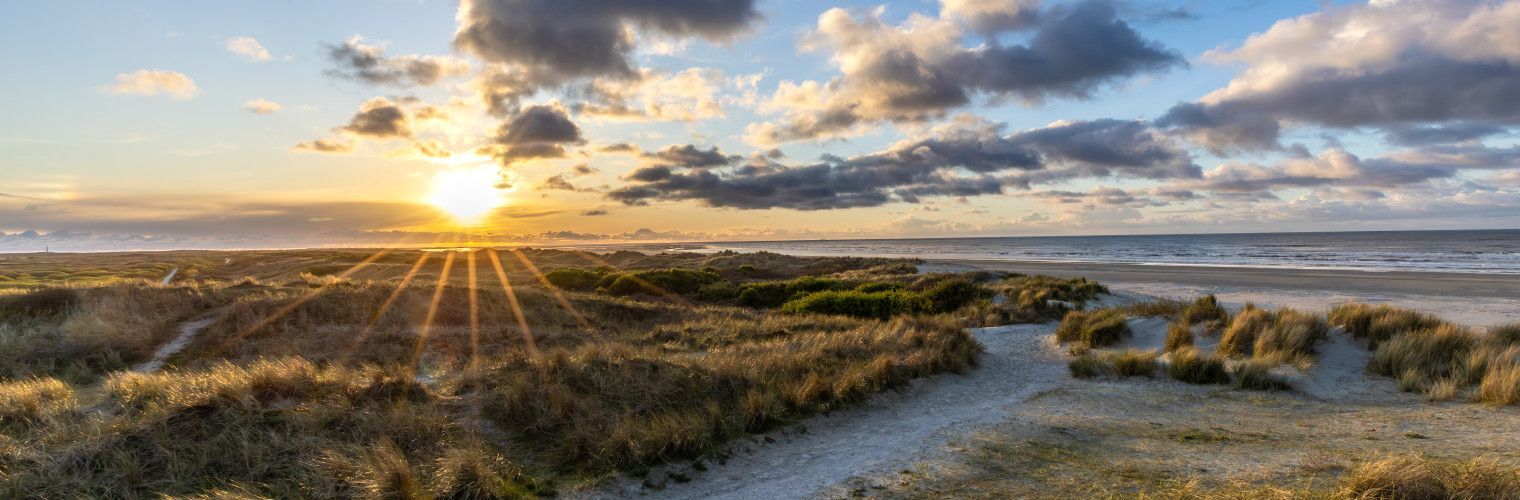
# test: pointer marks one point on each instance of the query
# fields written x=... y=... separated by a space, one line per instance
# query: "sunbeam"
x=559 y=296
x=432 y=312
x=506 y=286
x=308 y=297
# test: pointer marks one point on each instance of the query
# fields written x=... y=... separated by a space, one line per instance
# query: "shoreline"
x=1479 y=300
x=1439 y=284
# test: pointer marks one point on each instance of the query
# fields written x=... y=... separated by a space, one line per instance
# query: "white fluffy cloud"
x=149 y=82
x=262 y=106
x=248 y=48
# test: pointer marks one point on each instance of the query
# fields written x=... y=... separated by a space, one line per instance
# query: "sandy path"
x=187 y=331
x=890 y=430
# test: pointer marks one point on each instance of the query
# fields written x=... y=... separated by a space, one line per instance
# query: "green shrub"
x=773 y=294
x=718 y=292
x=879 y=305
x=879 y=286
x=1088 y=329
x=950 y=295
x=657 y=282
x=574 y=279
x=1189 y=365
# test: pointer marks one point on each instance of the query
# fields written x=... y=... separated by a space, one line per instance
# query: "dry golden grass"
x=1379 y=323
x=1092 y=329
x=1240 y=336
x=312 y=384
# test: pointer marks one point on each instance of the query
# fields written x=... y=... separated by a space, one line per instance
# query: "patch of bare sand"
x=1123 y=437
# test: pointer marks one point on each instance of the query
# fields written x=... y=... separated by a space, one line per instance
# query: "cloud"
x=152 y=82
x=540 y=131
x=557 y=182
x=582 y=169
x=689 y=95
x=594 y=212
x=248 y=48
x=368 y=63
x=689 y=156
x=965 y=158
x=1339 y=169
x=556 y=40
x=379 y=118
x=326 y=146
x=922 y=69
x=1448 y=67
x=261 y=106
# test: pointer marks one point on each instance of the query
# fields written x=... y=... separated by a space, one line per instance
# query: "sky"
x=167 y=124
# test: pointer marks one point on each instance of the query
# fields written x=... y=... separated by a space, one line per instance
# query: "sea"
x=1473 y=251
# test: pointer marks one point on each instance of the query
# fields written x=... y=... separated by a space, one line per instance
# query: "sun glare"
x=466 y=195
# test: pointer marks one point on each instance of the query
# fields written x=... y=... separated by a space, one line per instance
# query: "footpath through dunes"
x=891 y=430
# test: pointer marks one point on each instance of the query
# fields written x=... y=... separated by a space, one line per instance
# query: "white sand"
x=187 y=332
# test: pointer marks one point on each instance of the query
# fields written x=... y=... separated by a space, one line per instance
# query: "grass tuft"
x=1240 y=336
x=1379 y=323
x=1189 y=365
x=1092 y=329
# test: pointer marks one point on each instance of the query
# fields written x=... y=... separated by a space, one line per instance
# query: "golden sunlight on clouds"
x=466 y=195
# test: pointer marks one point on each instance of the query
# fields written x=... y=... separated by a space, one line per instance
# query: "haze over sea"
x=1479 y=251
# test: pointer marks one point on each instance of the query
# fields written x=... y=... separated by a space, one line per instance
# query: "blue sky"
x=98 y=164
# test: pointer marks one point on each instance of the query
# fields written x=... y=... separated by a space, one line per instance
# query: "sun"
x=466 y=195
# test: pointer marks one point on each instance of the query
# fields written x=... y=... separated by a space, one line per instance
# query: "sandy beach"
x=1470 y=298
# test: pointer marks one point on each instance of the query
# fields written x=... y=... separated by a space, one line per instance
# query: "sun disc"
x=466 y=195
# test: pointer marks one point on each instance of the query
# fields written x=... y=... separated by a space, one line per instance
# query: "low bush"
x=1090 y=329
x=773 y=294
x=1379 y=323
x=949 y=295
x=878 y=305
x=657 y=282
x=574 y=279
x=1189 y=365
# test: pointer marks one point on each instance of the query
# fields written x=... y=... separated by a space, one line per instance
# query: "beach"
x=1475 y=299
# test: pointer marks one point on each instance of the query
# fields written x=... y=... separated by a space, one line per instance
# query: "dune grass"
x=1240 y=336
x=1126 y=363
x=1189 y=365
x=1092 y=329
x=1256 y=374
x=333 y=384
x=1378 y=323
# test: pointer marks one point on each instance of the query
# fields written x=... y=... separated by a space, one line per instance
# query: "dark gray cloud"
x=564 y=39
x=557 y=182
x=540 y=131
x=687 y=155
x=1419 y=135
x=379 y=118
x=922 y=70
x=368 y=63
x=961 y=160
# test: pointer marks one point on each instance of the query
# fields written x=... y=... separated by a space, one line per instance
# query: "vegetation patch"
x=1191 y=366
x=1092 y=329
